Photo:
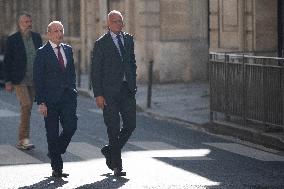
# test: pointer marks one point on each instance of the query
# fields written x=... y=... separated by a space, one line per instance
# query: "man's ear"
x=48 y=34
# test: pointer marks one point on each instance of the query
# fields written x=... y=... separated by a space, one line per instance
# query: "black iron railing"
x=247 y=88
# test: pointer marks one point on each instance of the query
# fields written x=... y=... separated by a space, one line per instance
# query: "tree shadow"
x=111 y=182
x=47 y=183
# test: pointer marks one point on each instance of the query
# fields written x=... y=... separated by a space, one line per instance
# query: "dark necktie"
x=121 y=47
x=60 y=59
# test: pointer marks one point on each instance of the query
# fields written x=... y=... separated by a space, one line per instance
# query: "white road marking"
x=97 y=111
x=161 y=149
x=247 y=151
x=143 y=171
x=12 y=156
x=161 y=174
x=7 y=113
x=150 y=145
x=84 y=150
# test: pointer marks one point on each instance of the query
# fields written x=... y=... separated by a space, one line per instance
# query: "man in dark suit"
x=56 y=94
x=18 y=70
x=114 y=86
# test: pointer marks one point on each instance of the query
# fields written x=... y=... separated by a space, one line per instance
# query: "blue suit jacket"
x=50 y=81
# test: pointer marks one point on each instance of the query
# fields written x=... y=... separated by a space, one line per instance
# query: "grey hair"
x=114 y=12
x=23 y=14
x=54 y=22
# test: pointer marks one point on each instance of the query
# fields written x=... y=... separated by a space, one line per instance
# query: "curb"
x=266 y=139
x=269 y=140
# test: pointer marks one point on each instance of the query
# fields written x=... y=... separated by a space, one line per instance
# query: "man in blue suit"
x=56 y=94
x=114 y=86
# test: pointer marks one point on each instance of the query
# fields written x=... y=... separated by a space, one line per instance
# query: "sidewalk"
x=189 y=104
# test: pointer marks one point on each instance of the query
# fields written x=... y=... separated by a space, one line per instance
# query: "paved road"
x=160 y=155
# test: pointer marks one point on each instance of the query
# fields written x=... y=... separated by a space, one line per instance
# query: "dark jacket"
x=15 y=59
x=108 y=68
x=50 y=81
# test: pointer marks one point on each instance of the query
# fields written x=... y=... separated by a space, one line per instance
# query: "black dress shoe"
x=59 y=174
x=106 y=152
x=118 y=172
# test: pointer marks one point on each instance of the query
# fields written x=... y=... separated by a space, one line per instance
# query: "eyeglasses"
x=117 y=21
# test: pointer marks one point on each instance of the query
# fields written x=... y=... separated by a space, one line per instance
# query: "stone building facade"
x=173 y=34
x=247 y=26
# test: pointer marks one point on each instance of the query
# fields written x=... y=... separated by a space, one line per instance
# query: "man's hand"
x=100 y=101
x=42 y=109
x=9 y=87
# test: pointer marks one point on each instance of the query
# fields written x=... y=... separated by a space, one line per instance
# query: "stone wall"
x=243 y=25
x=173 y=34
x=43 y=12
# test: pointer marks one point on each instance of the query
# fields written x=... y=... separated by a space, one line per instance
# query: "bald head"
x=114 y=12
x=115 y=21
x=55 y=32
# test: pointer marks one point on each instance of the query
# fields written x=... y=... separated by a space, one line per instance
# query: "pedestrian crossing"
x=142 y=165
x=97 y=111
x=84 y=150
x=161 y=149
x=7 y=113
x=10 y=155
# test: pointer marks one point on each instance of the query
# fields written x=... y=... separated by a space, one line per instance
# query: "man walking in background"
x=114 y=86
x=18 y=70
x=56 y=94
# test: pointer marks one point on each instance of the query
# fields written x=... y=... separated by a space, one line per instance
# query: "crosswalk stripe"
x=98 y=111
x=7 y=113
x=150 y=145
x=161 y=149
x=12 y=156
x=84 y=150
x=247 y=151
x=142 y=172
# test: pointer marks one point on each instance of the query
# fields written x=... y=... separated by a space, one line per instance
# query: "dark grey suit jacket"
x=50 y=82
x=108 y=68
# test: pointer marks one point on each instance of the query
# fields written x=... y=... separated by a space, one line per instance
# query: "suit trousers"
x=25 y=95
x=63 y=111
x=122 y=106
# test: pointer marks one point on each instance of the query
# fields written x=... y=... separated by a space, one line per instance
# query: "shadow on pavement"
x=110 y=182
x=47 y=183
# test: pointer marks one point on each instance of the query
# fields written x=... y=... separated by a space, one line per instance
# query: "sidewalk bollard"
x=150 y=77
x=79 y=69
